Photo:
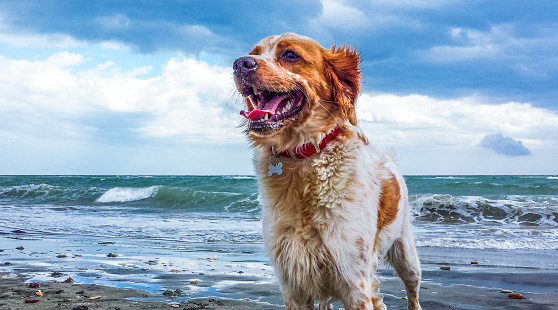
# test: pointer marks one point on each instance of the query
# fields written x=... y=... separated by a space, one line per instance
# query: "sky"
x=146 y=87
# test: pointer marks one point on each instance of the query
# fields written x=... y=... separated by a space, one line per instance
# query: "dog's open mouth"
x=268 y=110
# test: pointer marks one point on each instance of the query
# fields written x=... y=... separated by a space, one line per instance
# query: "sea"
x=507 y=221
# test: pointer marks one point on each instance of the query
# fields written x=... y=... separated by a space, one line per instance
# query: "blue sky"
x=145 y=87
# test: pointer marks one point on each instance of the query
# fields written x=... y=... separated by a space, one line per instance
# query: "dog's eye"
x=290 y=56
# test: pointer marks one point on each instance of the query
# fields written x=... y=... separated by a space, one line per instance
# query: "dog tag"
x=274 y=168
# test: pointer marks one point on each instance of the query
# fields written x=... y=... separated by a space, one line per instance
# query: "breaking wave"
x=520 y=210
x=127 y=194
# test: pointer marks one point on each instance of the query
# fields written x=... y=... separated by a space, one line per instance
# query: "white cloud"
x=417 y=120
x=446 y=136
x=337 y=14
x=532 y=55
x=189 y=101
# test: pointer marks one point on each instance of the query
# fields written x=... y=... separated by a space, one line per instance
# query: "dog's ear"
x=342 y=70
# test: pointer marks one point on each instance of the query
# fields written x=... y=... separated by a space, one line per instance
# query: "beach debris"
x=61 y=256
x=445 y=268
x=20 y=248
x=105 y=243
x=175 y=306
x=39 y=293
x=506 y=291
x=405 y=298
x=112 y=255
x=94 y=297
x=80 y=308
x=58 y=292
x=474 y=263
x=56 y=274
x=69 y=280
x=175 y=270
x=33 y=285
x=168 y=293
x=31 y=301
x=82 y=268
x=1 y=250
x=211 y=260
x=19 y=231
x=7 y=263
x=218 y=302
x=247 y=299
x=194 y=282
x=80 y=292
x=515 y=296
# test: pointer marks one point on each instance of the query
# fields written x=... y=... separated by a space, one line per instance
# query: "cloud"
x=190 y=101
x=504 y=145
x=429 y=47
x=419 y=122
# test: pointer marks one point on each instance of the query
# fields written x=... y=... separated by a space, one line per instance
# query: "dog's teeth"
x=289 y=105
x=252 y=103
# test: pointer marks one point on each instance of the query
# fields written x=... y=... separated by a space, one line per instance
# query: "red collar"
x=310 y=149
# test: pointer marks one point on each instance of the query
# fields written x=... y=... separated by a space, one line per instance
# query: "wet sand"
x=219 y=276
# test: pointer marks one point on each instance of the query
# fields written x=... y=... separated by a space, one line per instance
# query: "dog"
x=333 y=206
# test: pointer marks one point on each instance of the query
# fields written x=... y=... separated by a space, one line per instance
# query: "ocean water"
x=177 y=212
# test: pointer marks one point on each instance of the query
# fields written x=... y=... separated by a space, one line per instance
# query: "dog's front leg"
x=365 y=295
x=294 y=301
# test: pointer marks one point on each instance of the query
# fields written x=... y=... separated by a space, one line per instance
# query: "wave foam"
x=522 y=210
x=127 y=194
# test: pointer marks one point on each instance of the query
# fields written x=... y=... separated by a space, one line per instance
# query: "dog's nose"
x=243 y=65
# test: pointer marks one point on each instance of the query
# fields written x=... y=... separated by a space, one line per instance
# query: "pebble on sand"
x=507 y=291
x=515 y=296
x=112 y=255
x=95 y=297
x=33 y=285
x=61 y=255
x=445 y=268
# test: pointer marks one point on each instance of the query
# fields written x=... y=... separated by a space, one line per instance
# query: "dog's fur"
x=328 y=220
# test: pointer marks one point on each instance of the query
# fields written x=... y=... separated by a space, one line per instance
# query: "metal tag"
x=274 y=168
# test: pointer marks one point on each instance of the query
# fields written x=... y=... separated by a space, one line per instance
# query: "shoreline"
x=232 y=276
x=451 y=295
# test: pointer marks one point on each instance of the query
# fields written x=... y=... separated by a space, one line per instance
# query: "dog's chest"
x=302 y=211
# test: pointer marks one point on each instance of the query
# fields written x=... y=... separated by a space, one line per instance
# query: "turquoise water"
x=497 y=212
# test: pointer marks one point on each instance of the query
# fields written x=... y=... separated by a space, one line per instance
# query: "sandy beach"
x=216 y=277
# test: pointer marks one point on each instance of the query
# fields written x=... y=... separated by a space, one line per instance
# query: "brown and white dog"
x=333 y=205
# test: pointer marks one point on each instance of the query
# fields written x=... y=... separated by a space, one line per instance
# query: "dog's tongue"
x=256 y=114
x=265 y=106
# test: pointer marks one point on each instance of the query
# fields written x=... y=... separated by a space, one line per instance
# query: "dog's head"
x=295 y=90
